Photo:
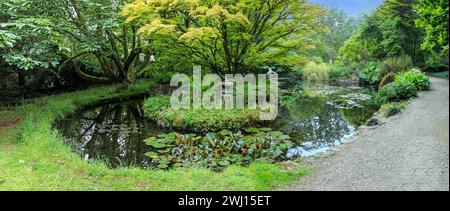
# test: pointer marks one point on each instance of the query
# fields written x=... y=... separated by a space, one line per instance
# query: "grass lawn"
x=34 y=157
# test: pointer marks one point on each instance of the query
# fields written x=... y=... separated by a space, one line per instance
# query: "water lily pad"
x=252 y=130
x=226 y=133
x=284 y=137
x=166 y=141
x=152 y=139
x=157 y=145
x=152 y=155
x=276 y=133
x=266 y=129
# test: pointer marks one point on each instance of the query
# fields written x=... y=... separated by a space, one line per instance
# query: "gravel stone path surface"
x=407 y=152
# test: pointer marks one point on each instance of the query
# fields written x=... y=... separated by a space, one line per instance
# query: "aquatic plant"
x=217 y=150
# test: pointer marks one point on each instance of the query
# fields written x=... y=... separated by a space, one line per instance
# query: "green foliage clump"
x=338 y=71
x=395 y=92
x=316 y=72
x=397 y=64
x=371 y=73
x=433 y=18
x=162 y=77
x=217 y=150
x=416 y=77
x=435 y=68
x=157 y=103
x=391 y=109
x=158 y=109
x=354 y=50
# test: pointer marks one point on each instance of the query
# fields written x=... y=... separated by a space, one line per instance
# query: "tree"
x=91 y=31
x=339 y=28
x=401 y=36
x=27 y=42
x=228 y=36
x=354 y=51
x=433 y=18
x=389 y=32
x=365 y=44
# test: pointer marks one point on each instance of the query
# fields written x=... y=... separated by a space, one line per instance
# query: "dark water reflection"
x=316 y=116
x=321 y=116
x=113 y=133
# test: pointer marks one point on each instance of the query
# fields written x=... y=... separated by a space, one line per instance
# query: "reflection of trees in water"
x=322 y=129
x=314 y=122
x=113 y=133
x=358 y=116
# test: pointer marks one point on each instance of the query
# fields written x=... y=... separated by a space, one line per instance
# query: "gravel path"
x=407 y=152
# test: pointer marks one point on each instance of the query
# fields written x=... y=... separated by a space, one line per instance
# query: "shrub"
x=436 y=63
x=316 y=72
x=397 y=64
x=371 y=73
x=434 y=68
x=420 y=80
x=338 y=71
x=387 y=79
x=157 y=103
x=395 y=92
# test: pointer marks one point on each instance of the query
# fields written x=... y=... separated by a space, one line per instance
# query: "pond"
x=317 y=117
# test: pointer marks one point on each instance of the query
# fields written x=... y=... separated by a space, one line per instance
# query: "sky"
x=353 y=8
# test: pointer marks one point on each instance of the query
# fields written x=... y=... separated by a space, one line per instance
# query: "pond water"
x=316 y=116
x=113 y=133
x=321 y=116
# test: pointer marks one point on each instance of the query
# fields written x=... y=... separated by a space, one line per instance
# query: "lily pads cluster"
x=217 y=150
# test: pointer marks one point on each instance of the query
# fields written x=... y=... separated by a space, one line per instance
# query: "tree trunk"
x=331 y=55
